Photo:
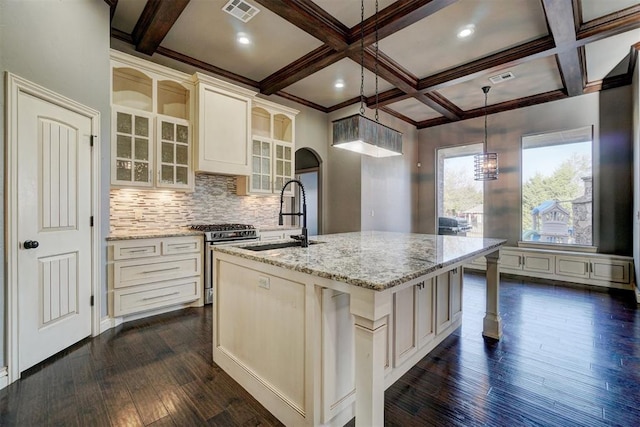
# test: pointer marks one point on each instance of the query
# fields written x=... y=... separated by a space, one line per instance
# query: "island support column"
x=371 y=310
x=492 y=324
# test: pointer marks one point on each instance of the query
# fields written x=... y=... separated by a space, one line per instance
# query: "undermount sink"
x=280 y=245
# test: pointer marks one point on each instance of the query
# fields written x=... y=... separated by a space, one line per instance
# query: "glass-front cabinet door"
x=283 y=166
x=260 y=165
x=133 y=137
x=174 y=153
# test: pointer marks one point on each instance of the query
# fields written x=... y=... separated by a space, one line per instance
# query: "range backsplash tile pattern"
x=213 y=201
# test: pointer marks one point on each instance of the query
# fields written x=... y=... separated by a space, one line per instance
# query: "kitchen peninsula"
x=317 y=334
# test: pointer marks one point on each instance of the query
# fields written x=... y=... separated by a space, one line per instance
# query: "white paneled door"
x=54 y=232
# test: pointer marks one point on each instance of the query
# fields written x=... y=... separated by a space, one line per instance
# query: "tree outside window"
x=557 y=192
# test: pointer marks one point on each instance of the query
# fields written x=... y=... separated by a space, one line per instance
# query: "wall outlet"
x=137 y=213
x=263 y=282
x=372 y=212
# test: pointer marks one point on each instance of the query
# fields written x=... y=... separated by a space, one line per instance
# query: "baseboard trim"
x=112 y=322
x=4 y=377
x=109 y=322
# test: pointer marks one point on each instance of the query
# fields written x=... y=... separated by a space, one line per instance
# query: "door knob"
x=30 y=244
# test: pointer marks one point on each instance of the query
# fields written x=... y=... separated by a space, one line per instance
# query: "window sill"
x=558 y=247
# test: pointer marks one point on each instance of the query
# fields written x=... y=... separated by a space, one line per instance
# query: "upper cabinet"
x=223 y=133
x=272 y=149
x=151 y=125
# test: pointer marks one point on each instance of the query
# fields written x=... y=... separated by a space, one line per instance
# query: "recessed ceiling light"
x=243 y=39
x=466 y=31
x=339 y=84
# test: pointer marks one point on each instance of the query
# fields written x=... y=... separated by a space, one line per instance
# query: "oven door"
x=209 y=265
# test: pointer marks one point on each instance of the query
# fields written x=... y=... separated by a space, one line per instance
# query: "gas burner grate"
x=221 y=227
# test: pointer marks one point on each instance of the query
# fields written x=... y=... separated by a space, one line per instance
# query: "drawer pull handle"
x=182 y=247
x=161 y=296
x=161 y=269
x=132 y=251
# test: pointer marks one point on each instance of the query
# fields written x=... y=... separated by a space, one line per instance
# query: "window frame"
x=562 y=246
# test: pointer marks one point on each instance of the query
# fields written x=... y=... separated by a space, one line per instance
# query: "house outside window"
x=557 y=187
x=459 y=195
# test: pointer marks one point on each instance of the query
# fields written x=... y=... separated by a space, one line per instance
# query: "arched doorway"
x=308 y=171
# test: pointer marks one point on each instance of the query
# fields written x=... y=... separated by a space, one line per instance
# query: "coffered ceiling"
x=427 y=74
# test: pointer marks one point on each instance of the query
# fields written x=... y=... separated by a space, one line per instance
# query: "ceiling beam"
x=498 y=108
x=309 y=64
x=609 y=25
x=535 y=49
x=560 y=18
x=154 y=23
x=395 y=17
x=310 y=18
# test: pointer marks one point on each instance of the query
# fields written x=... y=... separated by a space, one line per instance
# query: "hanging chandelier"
x=485 y=164
x=359 y=133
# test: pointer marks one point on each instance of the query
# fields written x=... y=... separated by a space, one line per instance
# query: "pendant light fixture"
x=359 y=133
x=485 y=164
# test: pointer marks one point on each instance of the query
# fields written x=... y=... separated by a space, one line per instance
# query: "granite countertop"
x=153 y=233
x=372 y=259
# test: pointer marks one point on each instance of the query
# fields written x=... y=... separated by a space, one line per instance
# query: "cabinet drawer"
x=137 y=248
x=155 y=295
x=181 y=245
x=135 y=272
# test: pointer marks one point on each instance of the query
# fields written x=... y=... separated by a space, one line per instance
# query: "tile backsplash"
x=213 y=201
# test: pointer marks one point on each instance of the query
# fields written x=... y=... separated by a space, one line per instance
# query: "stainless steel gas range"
x=220 y=234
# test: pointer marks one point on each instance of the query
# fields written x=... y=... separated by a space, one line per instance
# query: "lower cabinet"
x=587 y=268
x=448 y=299
x=532 y=262
x=422 y=316
x=148 y=274
x=414 y=323
x=610 y=270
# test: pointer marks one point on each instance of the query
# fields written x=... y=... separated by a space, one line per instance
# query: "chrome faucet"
x=304 y=237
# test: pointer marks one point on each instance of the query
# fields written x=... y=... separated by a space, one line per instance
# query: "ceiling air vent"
x=502 y=77
x=241 y=10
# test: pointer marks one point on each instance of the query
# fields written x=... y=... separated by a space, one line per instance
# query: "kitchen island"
x=317 y=334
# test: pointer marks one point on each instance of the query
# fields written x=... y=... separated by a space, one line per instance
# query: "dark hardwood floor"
x=569 y=357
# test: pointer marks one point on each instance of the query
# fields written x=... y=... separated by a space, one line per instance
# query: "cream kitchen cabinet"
x=588 y=268
x=595 y=269
x=532 y=262
x=148 y=274
x=414 y=321
x=223 y=133
x=272 y=153
x=448 y=299
x=151 y=125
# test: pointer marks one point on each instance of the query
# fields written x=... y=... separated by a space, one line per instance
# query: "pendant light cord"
x=376 y=66
x=362 y=57
x=485 y=89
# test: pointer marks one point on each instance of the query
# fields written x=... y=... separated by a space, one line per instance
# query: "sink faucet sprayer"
x=304 y=237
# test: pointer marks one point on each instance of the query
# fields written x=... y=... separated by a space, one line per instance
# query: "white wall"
x=636 y=176
x=63 y=46
x=610 y=114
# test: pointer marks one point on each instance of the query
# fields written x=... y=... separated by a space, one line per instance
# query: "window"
x=459 y=195
x=557 y=192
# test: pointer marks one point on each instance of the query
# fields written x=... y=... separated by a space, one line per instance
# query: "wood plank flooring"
x=569 y=357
